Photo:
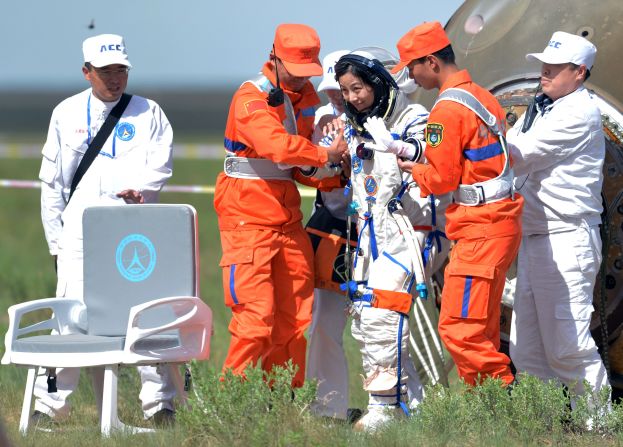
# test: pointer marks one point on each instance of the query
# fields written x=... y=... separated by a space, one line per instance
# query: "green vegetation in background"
x=236 y=413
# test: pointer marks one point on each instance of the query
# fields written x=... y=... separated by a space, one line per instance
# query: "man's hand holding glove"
x=384 y=142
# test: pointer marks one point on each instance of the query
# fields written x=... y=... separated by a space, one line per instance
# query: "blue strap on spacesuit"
x=399 y=367
x=351 y=287
x=369 y=221
x=365 y=298
x=434 y=235
x=403 y=188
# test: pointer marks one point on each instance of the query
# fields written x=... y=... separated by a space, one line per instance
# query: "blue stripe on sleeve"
x=234 y=146
x=309 y=111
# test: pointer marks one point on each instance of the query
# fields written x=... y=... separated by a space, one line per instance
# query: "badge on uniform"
x=125 y=131
x=370 y=185
x=357 y=164
x=434 y=134
x=255 y=105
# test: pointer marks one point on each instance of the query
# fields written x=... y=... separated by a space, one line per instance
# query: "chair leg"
x=30 y=386
x=109 y=419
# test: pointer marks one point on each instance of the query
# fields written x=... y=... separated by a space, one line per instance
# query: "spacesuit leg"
x=326 y=360
x=385 y=334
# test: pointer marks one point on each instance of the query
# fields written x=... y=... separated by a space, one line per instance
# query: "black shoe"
x=353 y=415
x=42 y=422
x=163 y=418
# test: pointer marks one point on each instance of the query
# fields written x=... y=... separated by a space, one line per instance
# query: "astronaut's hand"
x=384 y=142
x=338 y=148
x=131 y=196
x=382 y=137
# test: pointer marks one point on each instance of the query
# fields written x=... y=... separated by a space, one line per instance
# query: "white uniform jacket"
x=137 y=155
x=562 y=155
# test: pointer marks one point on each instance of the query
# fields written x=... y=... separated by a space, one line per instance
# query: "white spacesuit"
x=400 y=236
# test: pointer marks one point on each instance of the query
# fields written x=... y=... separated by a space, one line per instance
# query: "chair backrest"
x=134 y=254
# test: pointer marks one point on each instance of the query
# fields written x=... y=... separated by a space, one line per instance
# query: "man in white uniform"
x=132 y=166
x=558 y=150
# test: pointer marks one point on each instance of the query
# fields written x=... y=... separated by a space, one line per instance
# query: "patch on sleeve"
x=255 y=105
x=434 y=134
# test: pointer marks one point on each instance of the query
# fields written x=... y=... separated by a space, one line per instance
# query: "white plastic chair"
x=140 y=307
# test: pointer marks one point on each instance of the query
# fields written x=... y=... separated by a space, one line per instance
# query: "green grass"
x=27 y=273
x=249 y=413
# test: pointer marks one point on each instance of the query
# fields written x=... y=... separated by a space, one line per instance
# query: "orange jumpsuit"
x=461 y=150
x=267 y=261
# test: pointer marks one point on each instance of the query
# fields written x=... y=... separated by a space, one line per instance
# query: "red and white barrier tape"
x=195 y=189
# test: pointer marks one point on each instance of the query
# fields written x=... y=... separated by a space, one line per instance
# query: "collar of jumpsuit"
x=456 y=79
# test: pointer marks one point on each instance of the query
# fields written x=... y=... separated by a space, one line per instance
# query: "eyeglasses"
x=107 y=72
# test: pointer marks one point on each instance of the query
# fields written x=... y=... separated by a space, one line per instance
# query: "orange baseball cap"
x=420 y=41
x=298 y=47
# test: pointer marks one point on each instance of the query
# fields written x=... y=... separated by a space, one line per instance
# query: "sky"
x=188 y=43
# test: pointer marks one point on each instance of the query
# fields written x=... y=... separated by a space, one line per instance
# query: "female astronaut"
x=400 y=235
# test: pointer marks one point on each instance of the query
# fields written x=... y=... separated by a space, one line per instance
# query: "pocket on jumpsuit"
x=572 y=321
x=48 y=168
x=237 y=265
x=587 y=251
x=471 y=284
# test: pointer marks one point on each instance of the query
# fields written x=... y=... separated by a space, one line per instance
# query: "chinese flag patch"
x=255 y=105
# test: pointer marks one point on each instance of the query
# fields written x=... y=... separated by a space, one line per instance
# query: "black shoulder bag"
x=102 y=135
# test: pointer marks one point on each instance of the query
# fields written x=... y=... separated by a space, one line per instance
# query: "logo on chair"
x=136 y=257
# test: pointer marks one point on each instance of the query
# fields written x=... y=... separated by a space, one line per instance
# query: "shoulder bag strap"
x=98 y=141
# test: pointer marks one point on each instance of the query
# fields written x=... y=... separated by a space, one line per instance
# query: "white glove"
x=384 y=142
x=382 y=137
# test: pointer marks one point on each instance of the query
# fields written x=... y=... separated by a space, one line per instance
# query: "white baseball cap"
x=328 y=69
x=105 y=49
x=564 y=48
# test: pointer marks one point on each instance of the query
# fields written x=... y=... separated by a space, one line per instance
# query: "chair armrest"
x=193 y=320
x=68 y=316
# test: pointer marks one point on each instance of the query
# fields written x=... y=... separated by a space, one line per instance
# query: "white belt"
x=492 y=190
x=488 y=191
x=255 y=168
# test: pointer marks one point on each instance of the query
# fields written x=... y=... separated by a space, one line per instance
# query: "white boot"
x=377 y=417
